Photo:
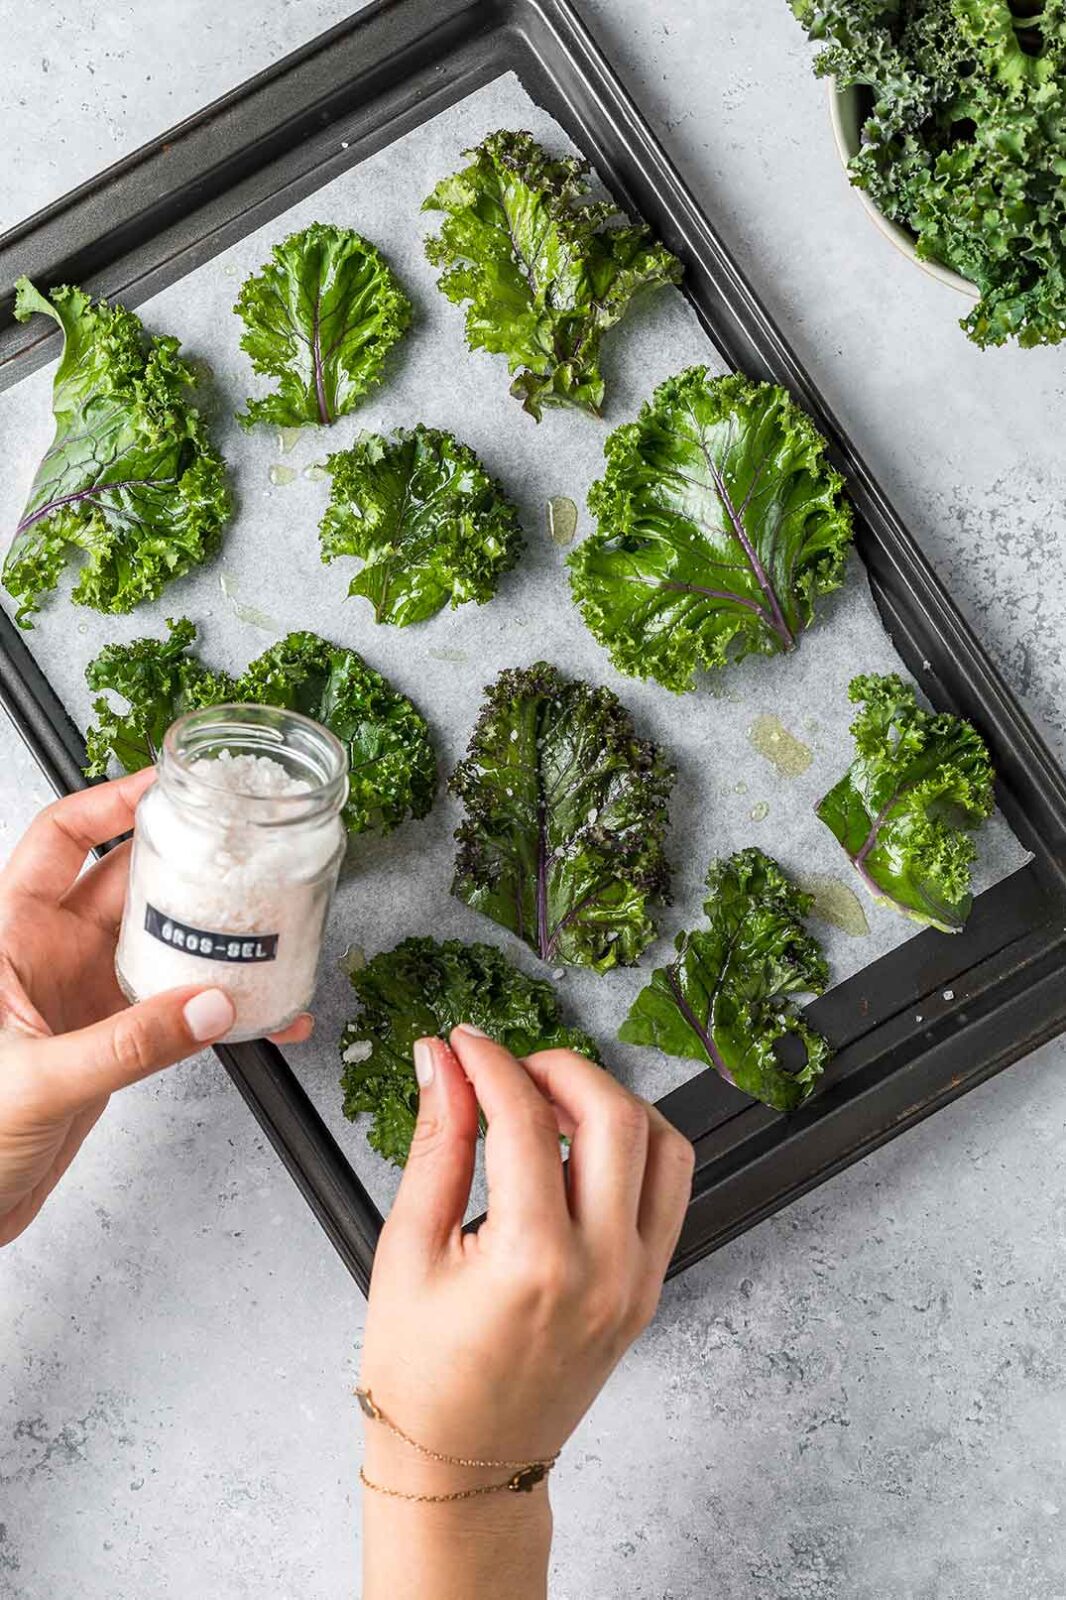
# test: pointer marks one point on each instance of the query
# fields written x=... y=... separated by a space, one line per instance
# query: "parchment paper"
x=269 y=579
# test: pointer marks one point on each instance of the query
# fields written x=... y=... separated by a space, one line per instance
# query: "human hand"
x=67 y=1036
x=494 y=1344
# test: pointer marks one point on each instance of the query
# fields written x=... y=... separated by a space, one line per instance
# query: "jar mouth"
x=304 y=748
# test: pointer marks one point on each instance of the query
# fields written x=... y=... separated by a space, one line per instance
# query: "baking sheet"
x=269 y=579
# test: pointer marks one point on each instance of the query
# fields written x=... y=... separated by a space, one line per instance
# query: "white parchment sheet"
x=269 y=579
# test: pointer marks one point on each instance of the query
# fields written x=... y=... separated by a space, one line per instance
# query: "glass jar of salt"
x=236 y=850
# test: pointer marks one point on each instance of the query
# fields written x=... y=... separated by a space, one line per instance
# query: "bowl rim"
x=843 y=114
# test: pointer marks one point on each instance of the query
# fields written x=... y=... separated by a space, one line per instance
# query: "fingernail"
x=423 y=1063
x=209 y=1015
x=468 y=1027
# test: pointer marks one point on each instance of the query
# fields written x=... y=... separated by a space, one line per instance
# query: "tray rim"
x=721 y=1206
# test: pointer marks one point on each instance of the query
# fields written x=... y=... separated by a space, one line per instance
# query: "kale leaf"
x=130 y=478
x=320 y=316
x=963 y=109
x=392 y=771
x=545 y=271
x=424 y=989
x=720 y=523
x=725 y=999
x=562 y=842
x=160 y=680
x=430 y=524
x=903 y=810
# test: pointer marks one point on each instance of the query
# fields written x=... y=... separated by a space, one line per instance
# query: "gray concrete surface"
x=860 y=1400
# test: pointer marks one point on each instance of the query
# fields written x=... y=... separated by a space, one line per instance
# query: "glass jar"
x=236 y=851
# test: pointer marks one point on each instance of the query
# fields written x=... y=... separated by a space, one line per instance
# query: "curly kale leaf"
x=545 y=271
x=566 y=808
x=962 y=142
x=320 y=316
x=160 y=680
x=392 y=770
x=429 y=523
x=903 y=811
x=720 y=523
x=130 y=477
x=725 y=999
x=420 y=989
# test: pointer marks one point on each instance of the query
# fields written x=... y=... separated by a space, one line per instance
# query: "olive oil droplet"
x=353 y=960
x=287 y=437
x=315 y=472
x=760 y=812
x=835 y=903
x=769 y=736
x=562 y=519
x=281 y=475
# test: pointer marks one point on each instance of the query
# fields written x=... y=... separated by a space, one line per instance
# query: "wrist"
x=485 y=1545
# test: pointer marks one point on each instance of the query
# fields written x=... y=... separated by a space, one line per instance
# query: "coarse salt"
x=231 y=881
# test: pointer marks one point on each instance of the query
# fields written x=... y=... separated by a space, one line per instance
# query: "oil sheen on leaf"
x=544 y=272
x=904 y=811
x=320 y=316
x=392 y=769
x=720 y=523
x=130 y=479
x=422 y=989
x=725 y=999
x=566 y=810
x=430 y=525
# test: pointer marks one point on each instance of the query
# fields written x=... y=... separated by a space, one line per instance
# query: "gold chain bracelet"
x=525 y=1476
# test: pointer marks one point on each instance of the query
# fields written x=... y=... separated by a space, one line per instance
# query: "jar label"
x=242 y=947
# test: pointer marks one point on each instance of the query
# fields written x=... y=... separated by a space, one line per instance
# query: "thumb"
x=91 y=1063
x=435 y=1187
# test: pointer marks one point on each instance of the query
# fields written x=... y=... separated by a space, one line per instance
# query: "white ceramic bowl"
x=845 y=114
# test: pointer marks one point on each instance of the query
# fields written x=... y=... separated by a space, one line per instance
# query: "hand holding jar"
x=67 y=1038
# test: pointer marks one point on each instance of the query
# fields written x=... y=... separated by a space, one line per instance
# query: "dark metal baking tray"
x=913 y=1030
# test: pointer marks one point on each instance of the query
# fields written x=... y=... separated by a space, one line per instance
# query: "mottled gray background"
x=863 y=1398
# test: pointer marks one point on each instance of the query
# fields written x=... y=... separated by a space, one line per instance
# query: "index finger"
x=52 y=851
x=523 y=1158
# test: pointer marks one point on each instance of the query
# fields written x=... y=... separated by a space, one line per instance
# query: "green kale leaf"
x=320 y=316
x=903 y=811
x=720 y=523
x=160 y=680
x=725 y=999
x=545 y=271
x=429 y=523
x=130 y=477
x=566 y=809
x=962 y=142
x=424 y=989
x=392 y=770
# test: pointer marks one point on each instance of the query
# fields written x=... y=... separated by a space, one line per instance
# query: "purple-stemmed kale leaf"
x=720 y=523
x=422 y=988
x=904 y=811
x=725 y=999
x=130 y=477
x=320 y=316
x=566 y=808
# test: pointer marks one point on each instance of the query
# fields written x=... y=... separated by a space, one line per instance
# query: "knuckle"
x=645 y=1305
x=606 y=1311
x=135 y=1042
x=681 y=1152
x=629 y=1119
x=428 y=1136
x=544 y=1273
